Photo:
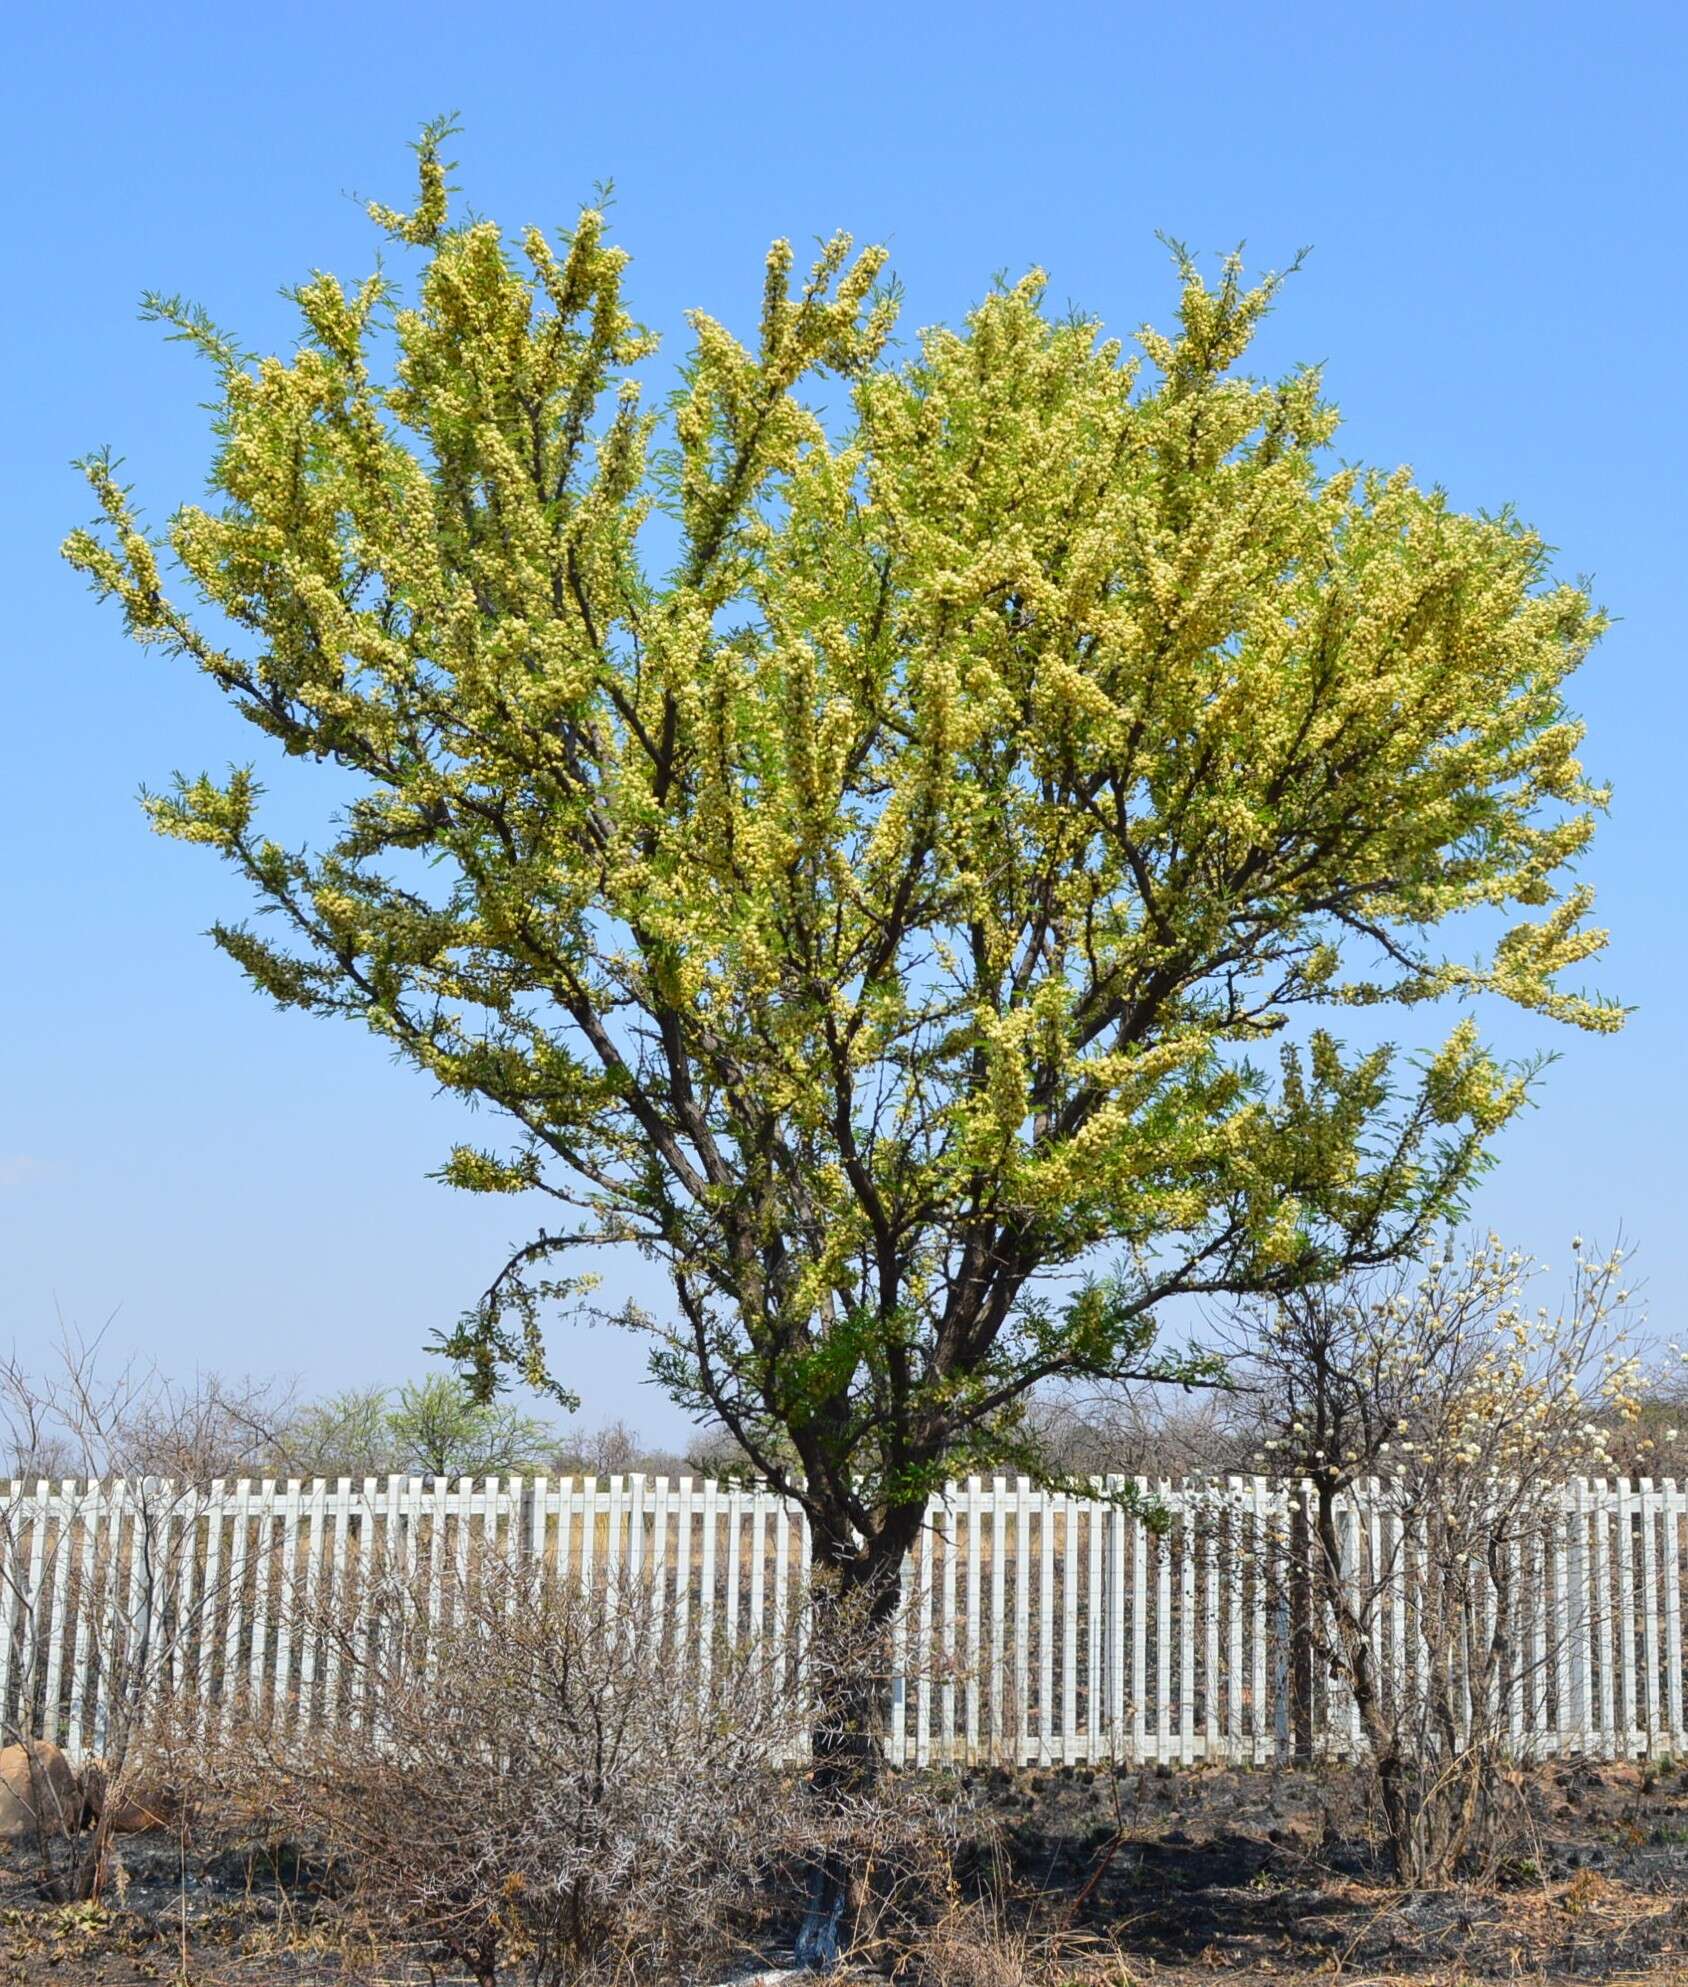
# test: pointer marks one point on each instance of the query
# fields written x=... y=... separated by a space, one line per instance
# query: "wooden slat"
x=1046 y=1734
x=1560 y=1628
x=1629 y=1707
x=974 y=1641
x=1163 y=1637
x=589 y=1503
x=89 y=1522
x=1095 y=1612
x=706 y=1593
x=316 y=1549
x=1211 y=1739
x=923 y=1646
x=64 y=1514
x=235 y=1618
x=1140 y=1628
x=1650 y=1680
x=735 y=1526
x=782 y=1622
x=1263 y=1724
x=999 y=1611
x=1067 y=1531
x=111 y=1608
x=339 y=1597
x=1186 y=1636
x=949 y=1523
x=13 y=1586
x=659 y=1558
x=897 y=1736
x=1118 y=1655
x=1673 y=1612
x=1022 y=1739
x=758 y=1572
x=1604 y=1627
x=263 y=1570
x=683 y=1568
x=1236 y=1559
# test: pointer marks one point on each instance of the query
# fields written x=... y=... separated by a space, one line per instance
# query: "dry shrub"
x=1435 y=1399
x=1002 y=1940
x=976 y=1945
x=529 y=1782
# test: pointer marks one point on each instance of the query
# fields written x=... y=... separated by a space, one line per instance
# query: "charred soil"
x=1126 y=1876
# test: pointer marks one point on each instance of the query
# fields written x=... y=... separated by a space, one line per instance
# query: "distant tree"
x=344 y=1434
x=438 y=1428
x=873 y=906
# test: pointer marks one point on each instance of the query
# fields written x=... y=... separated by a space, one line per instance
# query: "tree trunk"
x=1352 y=1599
x=855 y=1590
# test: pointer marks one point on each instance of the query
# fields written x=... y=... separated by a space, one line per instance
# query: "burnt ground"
x=1126 y=1878
x=1271 y=1874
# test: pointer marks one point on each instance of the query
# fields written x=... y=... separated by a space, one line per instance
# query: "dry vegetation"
x=1069 y=1879
x=522 y=1788
x=527 y=1798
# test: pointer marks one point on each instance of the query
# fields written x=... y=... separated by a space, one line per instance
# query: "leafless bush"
x=1435 y=1419
x=83 y=1415
x=616 y=1449
x=115 y=1546
x=1146 y=1432
x=533 y=1780
x=528 y=1780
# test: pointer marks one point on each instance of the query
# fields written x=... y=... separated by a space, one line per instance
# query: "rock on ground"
x=38 y=1790
x=134 y=1806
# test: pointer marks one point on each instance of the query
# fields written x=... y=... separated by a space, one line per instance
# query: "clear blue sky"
x=1496 y=201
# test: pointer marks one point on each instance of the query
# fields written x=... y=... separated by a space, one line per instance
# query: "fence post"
x=1300 y=1625
x=1186 y=1633
x=706 y=1593
x=66 y=1503
x=1022 y=1598
x=923 y=1646
x=1626 y=1616
x=946 y=1691
x=735 y=1525
x=1070 y=1515
x=1140 y=1626
x=682 y=1571
x=1045 y=1630
x=758 y=1571
x=1264 y=1718
x=1673 y=1612
x=84 y=1622
x=1116 y=1617
x=1650 y=1614
x=1094 y=1615
x=999 y=1609
x=659 y=1562
x=1608 y=1726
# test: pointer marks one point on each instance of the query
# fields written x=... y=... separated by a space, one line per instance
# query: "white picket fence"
x=1036 y=1627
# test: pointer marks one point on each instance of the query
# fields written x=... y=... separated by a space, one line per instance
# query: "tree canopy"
x=893 y=859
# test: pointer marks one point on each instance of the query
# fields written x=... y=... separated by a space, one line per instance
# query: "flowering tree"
x=874 y=915
x=1434 y=1397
